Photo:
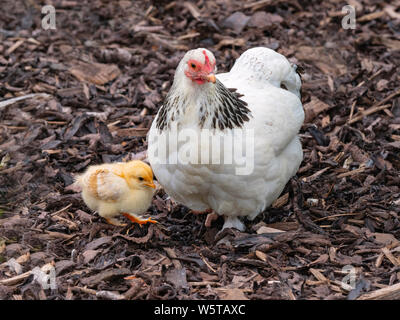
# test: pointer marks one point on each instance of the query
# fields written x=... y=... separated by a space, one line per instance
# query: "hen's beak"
x=150 y=184
x=211 y=78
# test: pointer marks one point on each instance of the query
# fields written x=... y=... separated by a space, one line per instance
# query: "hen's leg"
x=135 y=219
x=233 y=222
x=210 y=218
x=202 y=212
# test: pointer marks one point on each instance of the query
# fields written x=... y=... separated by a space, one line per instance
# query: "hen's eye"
x=193 y=65
x=141 y=178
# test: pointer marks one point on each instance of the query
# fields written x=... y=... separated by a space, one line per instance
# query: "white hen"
x=244 y=175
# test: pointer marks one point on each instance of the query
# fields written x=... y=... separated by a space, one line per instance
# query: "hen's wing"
x=103 y=184
x=265 y=65
x=259 y=74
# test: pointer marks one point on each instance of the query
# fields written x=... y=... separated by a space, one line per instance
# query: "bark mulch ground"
x=98 y=81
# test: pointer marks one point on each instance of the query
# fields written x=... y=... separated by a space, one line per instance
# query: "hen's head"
x=198 y=65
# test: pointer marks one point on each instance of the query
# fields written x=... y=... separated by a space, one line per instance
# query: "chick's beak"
x=210 y=78
x=150 y=184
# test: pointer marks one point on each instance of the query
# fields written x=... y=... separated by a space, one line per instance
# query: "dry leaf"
x=233 y=294
x=96 y=73
x=264 y=229
x=314 y=107
x=236 y=21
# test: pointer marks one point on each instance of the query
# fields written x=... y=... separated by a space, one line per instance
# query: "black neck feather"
x=227 y=111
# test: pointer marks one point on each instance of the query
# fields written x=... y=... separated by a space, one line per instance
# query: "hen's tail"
x=264 y=64
x=292 y=81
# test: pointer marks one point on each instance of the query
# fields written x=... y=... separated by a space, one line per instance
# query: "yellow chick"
x=125 y=188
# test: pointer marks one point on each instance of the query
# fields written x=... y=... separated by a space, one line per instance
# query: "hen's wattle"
x=229 y=150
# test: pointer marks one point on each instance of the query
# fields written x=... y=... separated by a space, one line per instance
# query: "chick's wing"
x=105 y=185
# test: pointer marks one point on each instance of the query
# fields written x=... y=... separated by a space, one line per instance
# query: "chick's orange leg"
x=138 y=220
x=115 y=222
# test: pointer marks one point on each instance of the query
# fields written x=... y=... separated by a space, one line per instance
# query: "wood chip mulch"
x=95 y=84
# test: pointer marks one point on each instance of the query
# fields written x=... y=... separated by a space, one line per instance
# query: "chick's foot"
x=115 y=222
x=137 y=220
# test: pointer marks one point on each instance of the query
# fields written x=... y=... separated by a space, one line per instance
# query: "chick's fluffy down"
x=106 y=190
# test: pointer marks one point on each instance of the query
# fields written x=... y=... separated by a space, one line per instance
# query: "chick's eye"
x=141 y=178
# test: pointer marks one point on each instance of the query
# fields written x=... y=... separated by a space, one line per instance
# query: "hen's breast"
x=220 y=188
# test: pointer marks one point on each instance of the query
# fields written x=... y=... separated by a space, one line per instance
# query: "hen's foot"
x=233 y=222
x=137 y=220
x=202 y=212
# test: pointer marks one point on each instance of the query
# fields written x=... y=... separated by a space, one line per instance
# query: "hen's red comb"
x=207 y=63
